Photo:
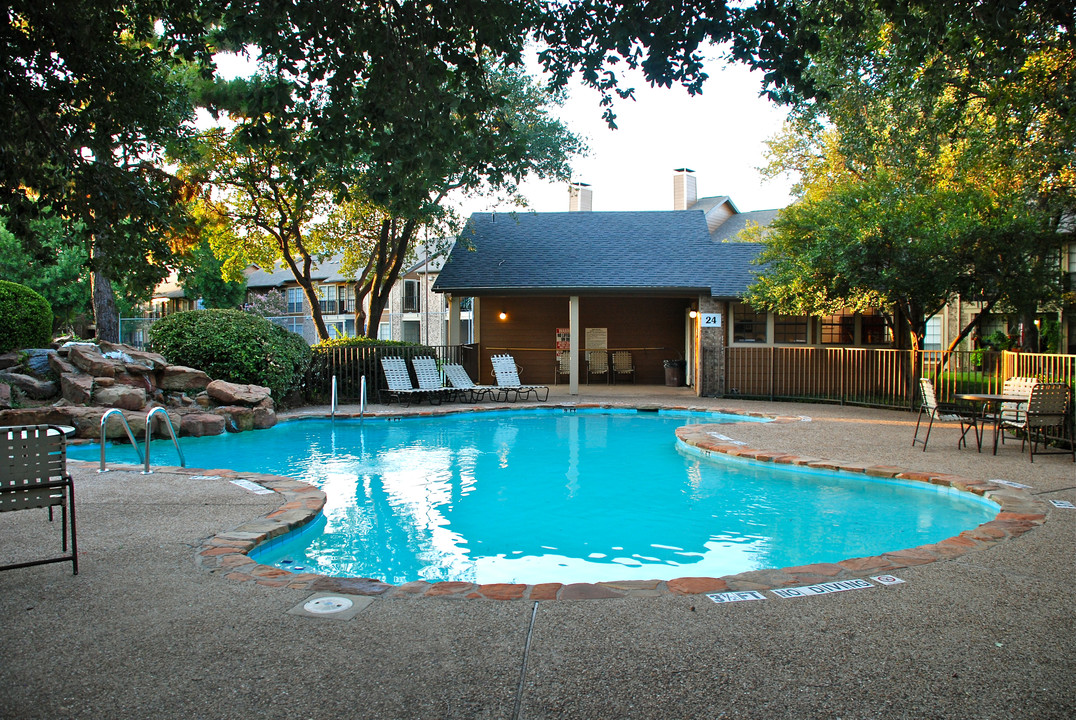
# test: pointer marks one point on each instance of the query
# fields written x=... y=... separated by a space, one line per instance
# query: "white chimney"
x=580 y=197
x=684 y=192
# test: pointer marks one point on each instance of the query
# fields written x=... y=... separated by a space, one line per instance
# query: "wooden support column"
x=573 y=344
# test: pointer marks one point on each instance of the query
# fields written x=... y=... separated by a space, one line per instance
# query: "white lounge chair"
x=429 y=379
x=457 y=377
x=507 y=374
x=399 y=382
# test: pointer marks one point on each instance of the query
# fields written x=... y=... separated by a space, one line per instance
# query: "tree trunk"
x=105 y=316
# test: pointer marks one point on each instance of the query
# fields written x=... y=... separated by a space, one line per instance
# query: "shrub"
x=25 y=318
x=234 y=346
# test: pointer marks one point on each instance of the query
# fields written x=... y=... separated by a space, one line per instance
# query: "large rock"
x=10 y=359
x=264 y=418
x=37 y=361
x=144 y=381
x=60 y=366
x=88 y=358
x=120 y=396
x=178 y=377
x=5 y=396
x=235 y=394
x=136 y=360
x=199 y=424
x=31 y=387
x=77 y=388
x=236 y=418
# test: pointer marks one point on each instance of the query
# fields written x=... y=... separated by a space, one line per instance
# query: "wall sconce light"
x=693 y=314
x=503 y=315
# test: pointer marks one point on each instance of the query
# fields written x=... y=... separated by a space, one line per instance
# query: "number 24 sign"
x=710 y=320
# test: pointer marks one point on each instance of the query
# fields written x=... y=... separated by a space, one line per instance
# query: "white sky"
x=719 y=134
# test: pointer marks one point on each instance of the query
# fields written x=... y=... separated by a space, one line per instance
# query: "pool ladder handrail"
x=171 y=431
x=126 y=427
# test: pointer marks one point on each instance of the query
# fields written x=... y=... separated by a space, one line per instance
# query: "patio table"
x=994 y=401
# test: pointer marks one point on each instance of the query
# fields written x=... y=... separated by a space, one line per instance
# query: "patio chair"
x=399 y=382
x=457 y=377
x=1011 y=411
x=967 y=416
x=507 y=374
x=1047 y=410
x=33 y=474
x=623 y=364
x=597 y=364
x=429 y=379
x=563 y=366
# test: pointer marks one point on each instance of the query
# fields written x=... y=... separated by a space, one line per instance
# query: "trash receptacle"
x=674 y=372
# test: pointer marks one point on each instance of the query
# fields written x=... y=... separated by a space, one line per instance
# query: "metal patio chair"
x=968 y=417
x=33 y=474
x=623 y=364
x=1047 y=410
x=563 y=366
x=507 y=374
x=597 y=364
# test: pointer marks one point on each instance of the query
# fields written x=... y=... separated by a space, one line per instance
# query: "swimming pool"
x=555 y=495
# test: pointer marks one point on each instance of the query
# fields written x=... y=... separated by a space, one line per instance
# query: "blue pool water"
x=553 y=496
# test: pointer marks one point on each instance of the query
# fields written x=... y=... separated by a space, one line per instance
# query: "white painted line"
x=728 y=597
x=1063 y=504
x=205 y=477
x=1010 y=483
x=822 y=589
x=253 y=487
x=887 y=579
x=725 y=438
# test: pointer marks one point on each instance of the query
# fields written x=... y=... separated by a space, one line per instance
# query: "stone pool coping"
x=227 y=553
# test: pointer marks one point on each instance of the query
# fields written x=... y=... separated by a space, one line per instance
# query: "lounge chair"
x=623 y=364
x=597 y=364
x=1047 y=410
x=429 y=379
x=399 y=382
x=968 y=417
x=457 y=377
x=563 y=366
x=33 y=474
x=507 y=374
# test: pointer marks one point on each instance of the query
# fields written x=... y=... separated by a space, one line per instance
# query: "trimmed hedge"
x=25 y=318
x=234 y=346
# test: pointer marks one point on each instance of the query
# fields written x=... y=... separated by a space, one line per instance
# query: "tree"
x=45 y=260
x=204 y=279
x=293 y=205
x=89 y=106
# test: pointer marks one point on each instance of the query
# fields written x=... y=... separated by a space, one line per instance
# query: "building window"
x=327 y=299
x=410 y=331
x=839 y=329
x=873 y=328
x=384 y=331
x=411 y=296
x=295 y=300
x=932 y=340
x=748 y=326
x=790 y=329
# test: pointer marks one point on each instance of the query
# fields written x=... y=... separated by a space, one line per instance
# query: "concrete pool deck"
x=142 y=631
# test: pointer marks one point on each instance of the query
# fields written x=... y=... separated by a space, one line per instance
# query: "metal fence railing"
x=879 y=377
x=350 y=364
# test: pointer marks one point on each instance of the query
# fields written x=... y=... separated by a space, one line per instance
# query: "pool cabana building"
x=656 y=283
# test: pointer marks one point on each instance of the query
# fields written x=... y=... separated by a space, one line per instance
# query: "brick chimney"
x=580 y=197
x=684 y=192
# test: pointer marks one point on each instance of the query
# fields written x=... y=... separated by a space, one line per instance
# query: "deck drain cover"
x=332 y=606
x=328 y=604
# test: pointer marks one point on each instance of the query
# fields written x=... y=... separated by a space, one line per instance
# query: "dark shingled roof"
x=595 y=252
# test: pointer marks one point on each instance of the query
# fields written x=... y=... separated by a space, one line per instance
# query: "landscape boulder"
x=88 y=358
x=236 y=394
x=77 y=388
x=180 y=377
x=120 y=396
x=5 y=396
x=60 y=366
x=31 y=387
x=264 y=418
x=200 y=424
x=236 y=418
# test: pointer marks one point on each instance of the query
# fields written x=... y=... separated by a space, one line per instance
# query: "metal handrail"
x=130 y=436
x=332 y=411
x=171 y=431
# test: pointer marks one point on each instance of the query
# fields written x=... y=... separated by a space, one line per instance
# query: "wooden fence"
x=878 y=377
